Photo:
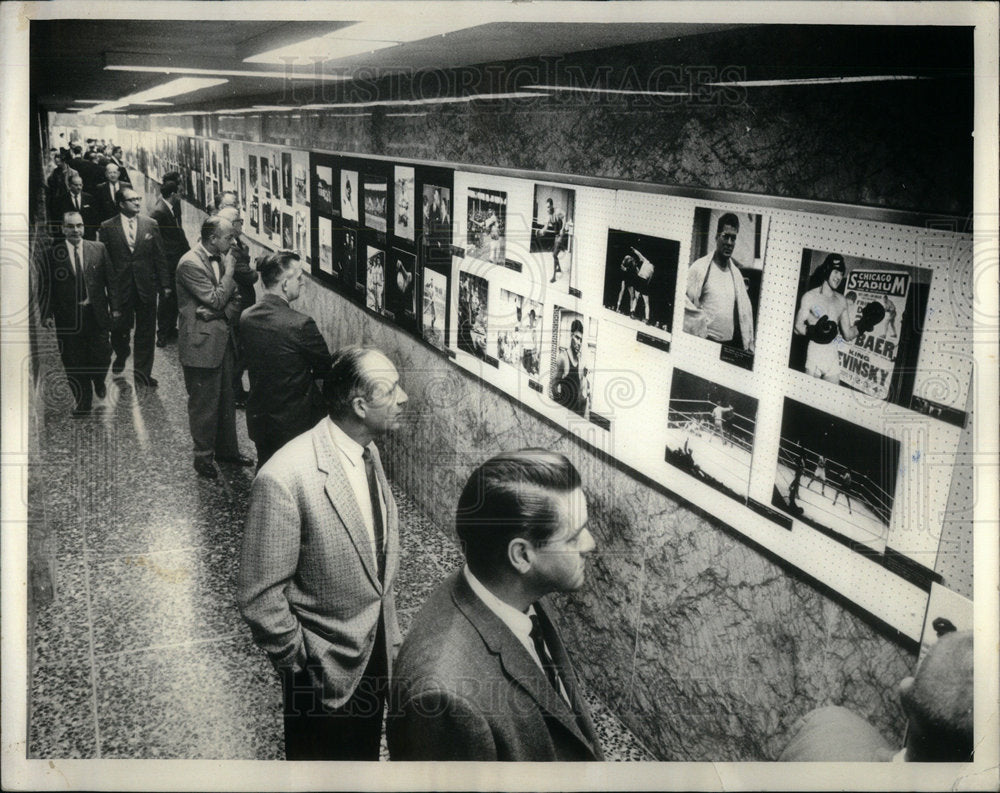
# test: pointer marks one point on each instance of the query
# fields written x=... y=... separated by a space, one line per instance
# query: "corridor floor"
x=142 y=652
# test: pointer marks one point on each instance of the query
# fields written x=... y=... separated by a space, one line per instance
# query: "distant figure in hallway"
x=320 y=553
x=167 y=214
x=285 y=354
x=483 y=673
x=245 y=277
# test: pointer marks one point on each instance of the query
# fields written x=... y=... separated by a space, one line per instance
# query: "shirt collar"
x=205 y=253
x=518 y=622
x=351 y=449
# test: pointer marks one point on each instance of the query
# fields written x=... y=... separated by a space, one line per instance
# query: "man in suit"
x=284 y=353
x=116 y=159
x=483 y=674
x=167 y=214
x=207 y=306
x=245 y=278
x=320 y=552
x=140 y=274
x=107 y=193
x=77 y=201
x=78 y=296
x=57 y=185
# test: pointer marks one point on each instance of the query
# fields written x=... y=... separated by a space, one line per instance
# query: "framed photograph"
x=836 y=476
x=858 y=323
x=486 y=225
x=345 y=253
x=574 y=352
x=301 y=242
x=243 y=188
x=375 y=280
x=348 y=195
x=323 y=177
x=403 y=181
x=225 y=163
x=710 y=433
x=287 y=231
x=435 y=306
x=252 y=172
x=276 y=178
x=640 y=277
x=375 y=198
x=267 y=225
x=255 y=212
x=286 y=177
x=301 y=188
x=402 y=286
x=437 y=220
x=723 y=281
x=473 y=312
x=518 y=329
x=265 y=176
x=552 y=228
x=326 y=259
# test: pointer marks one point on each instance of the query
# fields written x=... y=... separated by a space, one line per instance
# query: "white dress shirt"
x=354 y=467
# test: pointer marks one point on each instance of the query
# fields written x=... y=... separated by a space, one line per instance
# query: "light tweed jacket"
x=308 y=584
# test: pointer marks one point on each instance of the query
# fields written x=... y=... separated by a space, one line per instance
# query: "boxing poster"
x=486 y=227
x=640 y=278
x=552 y=229
x=858 y=323
x=835 y=476
x=375 y=195
x=403 y=179
x=518 y=323
x=723 y=281
x=710 y=433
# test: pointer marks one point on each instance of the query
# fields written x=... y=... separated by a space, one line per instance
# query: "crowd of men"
x=483 y=673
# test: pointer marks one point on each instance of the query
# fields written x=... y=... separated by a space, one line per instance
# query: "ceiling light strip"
x=290 y=75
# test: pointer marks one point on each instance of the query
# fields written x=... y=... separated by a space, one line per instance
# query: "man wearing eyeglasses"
x=139 y=269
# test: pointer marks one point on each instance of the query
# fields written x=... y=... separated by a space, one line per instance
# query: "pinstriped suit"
x=308 y=584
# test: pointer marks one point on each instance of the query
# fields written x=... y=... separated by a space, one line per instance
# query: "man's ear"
x=519 y=554
x=359 y=408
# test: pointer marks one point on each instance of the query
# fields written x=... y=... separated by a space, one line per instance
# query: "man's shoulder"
x=292 y=459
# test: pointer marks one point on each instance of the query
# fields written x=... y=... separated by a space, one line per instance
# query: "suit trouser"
x=143 y=317
x=350 y=732
x=86 y=355
x=211 y=414
x=166 y=311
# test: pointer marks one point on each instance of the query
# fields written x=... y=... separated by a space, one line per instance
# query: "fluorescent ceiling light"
x=404 y=115
x=442 y=100
x=182 y=85
x=623 y=91
x=872 y=78
x=289 y=74
x=356 y=39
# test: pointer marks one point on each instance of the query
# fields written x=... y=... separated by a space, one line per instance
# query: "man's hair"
x=108 y=168
x=211 y=227
x=172 y=176
x=728 y=219
x=230 y=213
x=940 y=702
x=219 y=197
x=69 y=212
x=509 y=496
x=120 y=194
x=346 y=380
x=74 y=177
x=575 y=325
x=168 y=189
x=274 y=265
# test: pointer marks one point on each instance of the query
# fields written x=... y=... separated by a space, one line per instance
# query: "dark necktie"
x=543 y=654
x=81 y=284
x=376 y=511
x=76 y=202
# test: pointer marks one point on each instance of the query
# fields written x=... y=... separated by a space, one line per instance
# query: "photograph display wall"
x=804 y=365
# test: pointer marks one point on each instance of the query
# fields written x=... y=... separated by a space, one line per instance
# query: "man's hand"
x=872 y=314
x=823 y=331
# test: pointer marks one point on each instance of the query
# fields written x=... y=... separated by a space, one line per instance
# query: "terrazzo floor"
x=141 y=652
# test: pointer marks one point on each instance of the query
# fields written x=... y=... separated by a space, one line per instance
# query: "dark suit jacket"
x=284 y=353
x=175 y=242
x=88 y=209
x=91 y=173
x=107 y=207
x=202 y=337
x=139 y=273
x=59 y=298
x=308 y=582
x=466 y=689
x=122 y=172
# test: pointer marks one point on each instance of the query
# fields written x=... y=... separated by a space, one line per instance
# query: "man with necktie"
x=483 y=673
x=320 y=553
x=76 y=200
x=207 y=306
x=77 y=296
x=139 y=269
x=107 y=192
x=167 y=214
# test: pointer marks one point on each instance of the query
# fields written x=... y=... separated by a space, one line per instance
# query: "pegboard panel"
x=955 y=550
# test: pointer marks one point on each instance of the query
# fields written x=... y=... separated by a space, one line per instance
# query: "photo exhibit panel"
x=375 y=280
x=435 y=307
x=375 y=202
x=403 y=186
x=486 y=225
x=473 y=311
x=518 y=322
x=552 y=229
x=349 y=195
x=640 y=278
x=571 y=365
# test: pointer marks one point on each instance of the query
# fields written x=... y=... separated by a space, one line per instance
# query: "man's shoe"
x=239 y=459
x=205 y=468
x=118 y=366
x=147 y=382
x=100 y=389
x=161 y=342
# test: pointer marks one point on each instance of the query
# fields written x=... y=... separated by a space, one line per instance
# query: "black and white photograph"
x=710 y=433
x=243 y=188
x=252 y=171
x=437 y=221
x=518 y=323
x=486 y=229
x=345 y=253
x=375 y=197
x=836 y=476
x=301 y=242
x=255 y=212
x=473 y=314
x=573 y=354
x=375 y=280
x=225 y=162
x=723 y=281
x=402 y=284
x=324 y=190
x=265 y=177
x=287 y=231
x=286 y=177
x=326 y=260
x=434 y=311
x=640 y=278
x=349 y=190
x=267 y=219
x=404 y=206
x=858 y=323
x=552 y=228
x=301 y=185
x=276 y=178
